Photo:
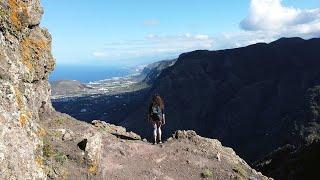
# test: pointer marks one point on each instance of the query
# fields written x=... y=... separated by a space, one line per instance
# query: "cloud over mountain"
x=153 y=45
x=272 y=15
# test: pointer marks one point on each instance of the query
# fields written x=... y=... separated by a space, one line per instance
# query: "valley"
x=245 y=97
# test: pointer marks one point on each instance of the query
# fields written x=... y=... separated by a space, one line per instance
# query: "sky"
x=133 y=32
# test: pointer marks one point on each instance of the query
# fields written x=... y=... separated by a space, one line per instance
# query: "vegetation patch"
x=2 y=12
x=47 y=149
x=239 y=170
x=60 y=158
x=59 y=121
x=207 y=173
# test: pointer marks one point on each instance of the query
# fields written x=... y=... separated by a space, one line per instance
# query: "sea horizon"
x=86 y=74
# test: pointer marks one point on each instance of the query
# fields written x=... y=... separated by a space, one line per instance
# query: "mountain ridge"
x=269 y=80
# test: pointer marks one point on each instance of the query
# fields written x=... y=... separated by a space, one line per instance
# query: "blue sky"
x=127 y=32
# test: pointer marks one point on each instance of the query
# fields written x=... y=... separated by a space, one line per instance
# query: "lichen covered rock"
x=25 y=62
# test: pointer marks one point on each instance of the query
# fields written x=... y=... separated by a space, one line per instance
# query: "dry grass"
x=23 y=120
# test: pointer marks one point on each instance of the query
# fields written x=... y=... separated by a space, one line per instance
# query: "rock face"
x=245 y=97
x=25 y=62
x=152 y=71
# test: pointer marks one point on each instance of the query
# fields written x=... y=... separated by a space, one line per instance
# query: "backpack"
x=156 y=112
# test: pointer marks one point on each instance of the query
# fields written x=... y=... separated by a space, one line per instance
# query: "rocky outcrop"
x=104 y=151
x=25 y=62
x=115 y=130
x=186 y=156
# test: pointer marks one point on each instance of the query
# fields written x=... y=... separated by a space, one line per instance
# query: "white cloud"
x=150 y=22
x=201 y=37
x=154 y=45
x=243 y=38
x=267 y=20
x=273 y=16
x=99 y=54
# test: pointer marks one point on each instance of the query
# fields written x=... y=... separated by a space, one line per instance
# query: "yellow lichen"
x=41 y=132
x=18 y=9
x=26 y=54
x=19 y=98
x=24 y=115
x=32 y=49
x=93 y=169
x=39 y=160
x=23 y=120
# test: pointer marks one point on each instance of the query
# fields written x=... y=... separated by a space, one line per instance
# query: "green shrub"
x=47 y=149
x=207 y=173
x=238 y=169
x=2 y=12
x=59 y=120
x=60 y=158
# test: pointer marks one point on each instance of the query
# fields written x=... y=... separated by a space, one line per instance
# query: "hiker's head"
x=156 y=100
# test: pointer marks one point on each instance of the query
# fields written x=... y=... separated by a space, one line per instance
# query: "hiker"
x=156 y=116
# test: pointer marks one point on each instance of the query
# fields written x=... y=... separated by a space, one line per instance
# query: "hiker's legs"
x=159 y=131
x=155 y=132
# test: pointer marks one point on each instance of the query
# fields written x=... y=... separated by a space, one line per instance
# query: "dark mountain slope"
x=247 y=97
x=153 y=70
x=291 y=163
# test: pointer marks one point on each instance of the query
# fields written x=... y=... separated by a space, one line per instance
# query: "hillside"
x=36 y=142
x=245 y=97
x=116 y=85
x=64 y=88
x=289 y=162
x=109 y=100
x=151 y=72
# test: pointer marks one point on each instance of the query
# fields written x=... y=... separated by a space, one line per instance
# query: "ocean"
x=87 y=74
